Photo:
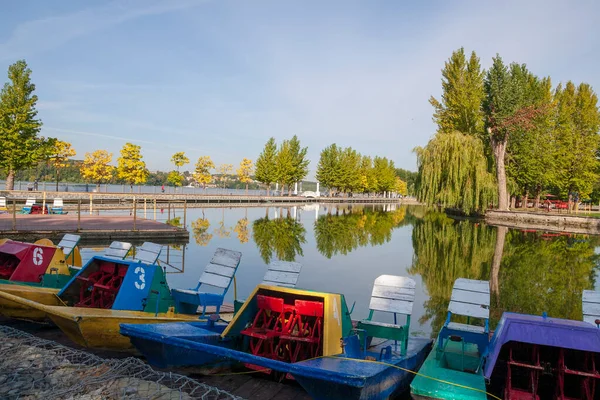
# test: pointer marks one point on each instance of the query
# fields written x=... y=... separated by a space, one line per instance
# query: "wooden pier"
x=90 y=227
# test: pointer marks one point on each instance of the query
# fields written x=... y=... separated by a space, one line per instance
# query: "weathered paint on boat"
x=9 y=307
x=338 y=372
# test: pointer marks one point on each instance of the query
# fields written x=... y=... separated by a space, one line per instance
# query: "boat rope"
x=376 y=362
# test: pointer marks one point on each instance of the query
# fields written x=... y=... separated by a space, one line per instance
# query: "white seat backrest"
x=221 y=269
x=591 y=306
x=3 y=202
x=148 y=253
x=470 y=298
x=282 y=273
x=394 y=294
x=58 y=203
x=68 y=243
x=118 y=250
x=30 y=202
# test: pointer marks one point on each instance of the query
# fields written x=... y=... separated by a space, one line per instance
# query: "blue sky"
x=220 y=77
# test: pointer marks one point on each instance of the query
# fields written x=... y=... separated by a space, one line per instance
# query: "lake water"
x=343 y=248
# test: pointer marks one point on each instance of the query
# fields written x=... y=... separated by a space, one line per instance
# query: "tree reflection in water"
x=535 y=272
x=200 y=231
x=357 y=226
x=283 y=236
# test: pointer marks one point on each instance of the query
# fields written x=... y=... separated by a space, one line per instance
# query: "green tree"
x=266 y=168
x=462 y=94
x=202 y=173
x=509 y=108
x=284 y=164
x=453 y=173
x=577 y=125
x=328 y=168
x=60 y=154
x=350 y=177
x=96 y=167
x=385 y=172
x=20 y=145
x=299 y=168
x=130 y=166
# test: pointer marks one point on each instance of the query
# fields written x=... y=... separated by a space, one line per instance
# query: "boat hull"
x=9 y=307
x=437 y=382
x=330 y=377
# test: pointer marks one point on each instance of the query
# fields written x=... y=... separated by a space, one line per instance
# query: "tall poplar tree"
x=266 y=169
x=20 y=145
x=462 y=93
x=299 y=161
x=328 y=169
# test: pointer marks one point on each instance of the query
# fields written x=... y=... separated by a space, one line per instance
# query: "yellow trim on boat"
x=332 y=315
x=11 y=307
x=44 y=242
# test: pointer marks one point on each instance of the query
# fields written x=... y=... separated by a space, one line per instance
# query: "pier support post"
x=14 y=219
x=155 y=209
x=91 y=204
x=43 y=202
x=184 y=213
x=145 y=208
x=78 y=215
x=134 y=213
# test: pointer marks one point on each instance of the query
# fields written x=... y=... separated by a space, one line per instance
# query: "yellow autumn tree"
x=96 y=167
x=131 y=168
x=400 y=187
x=175 y=177
x=244 y=171
x=60 y=154
x=224 y=170
x=202 y=173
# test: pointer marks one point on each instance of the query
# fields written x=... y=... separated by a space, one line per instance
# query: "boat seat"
x=148 y=253
x=282 y=273
x=57 y=206
x=591 y=306
x=118 y=250
x=218 y=274
x=391 y=294
x=27 y=207
x=470 y=298
x=465 y=327
x=68 y=243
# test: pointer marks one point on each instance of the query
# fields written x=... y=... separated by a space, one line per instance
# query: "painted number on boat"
x=38 y=256
x=141 y=278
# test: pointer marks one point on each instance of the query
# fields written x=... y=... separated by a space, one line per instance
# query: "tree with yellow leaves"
x=202 y=173
x=131 y=168
x=241 y=229
x=59 y=156
x=96 y=167
x=400 y=187
x=175 y=177
x=224 y=170
x=244 y=171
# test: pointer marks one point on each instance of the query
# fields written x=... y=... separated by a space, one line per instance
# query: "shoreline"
x=544 y=221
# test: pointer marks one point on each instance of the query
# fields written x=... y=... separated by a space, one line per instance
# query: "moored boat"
x=296 y=333
x=453 y=368
x=107 y=292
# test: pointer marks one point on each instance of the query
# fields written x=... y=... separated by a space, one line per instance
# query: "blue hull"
x=197 y=344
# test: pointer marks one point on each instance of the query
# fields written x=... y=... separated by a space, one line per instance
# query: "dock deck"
x=90 y=227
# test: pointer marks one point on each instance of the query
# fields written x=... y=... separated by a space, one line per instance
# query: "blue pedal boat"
x=304 y=335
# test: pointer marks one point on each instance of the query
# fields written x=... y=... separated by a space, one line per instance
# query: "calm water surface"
x=343 y=248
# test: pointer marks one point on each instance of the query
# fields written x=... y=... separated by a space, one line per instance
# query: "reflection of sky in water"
x=446 y=247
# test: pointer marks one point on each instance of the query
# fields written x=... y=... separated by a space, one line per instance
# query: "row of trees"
x=285 y=165
x=506 y=132
x=347 y=171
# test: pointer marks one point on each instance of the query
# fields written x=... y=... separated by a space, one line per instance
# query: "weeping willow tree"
x=453 y=172
x=445 y=250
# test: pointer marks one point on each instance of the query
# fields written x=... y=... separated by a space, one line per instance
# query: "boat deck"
x=90 y=226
